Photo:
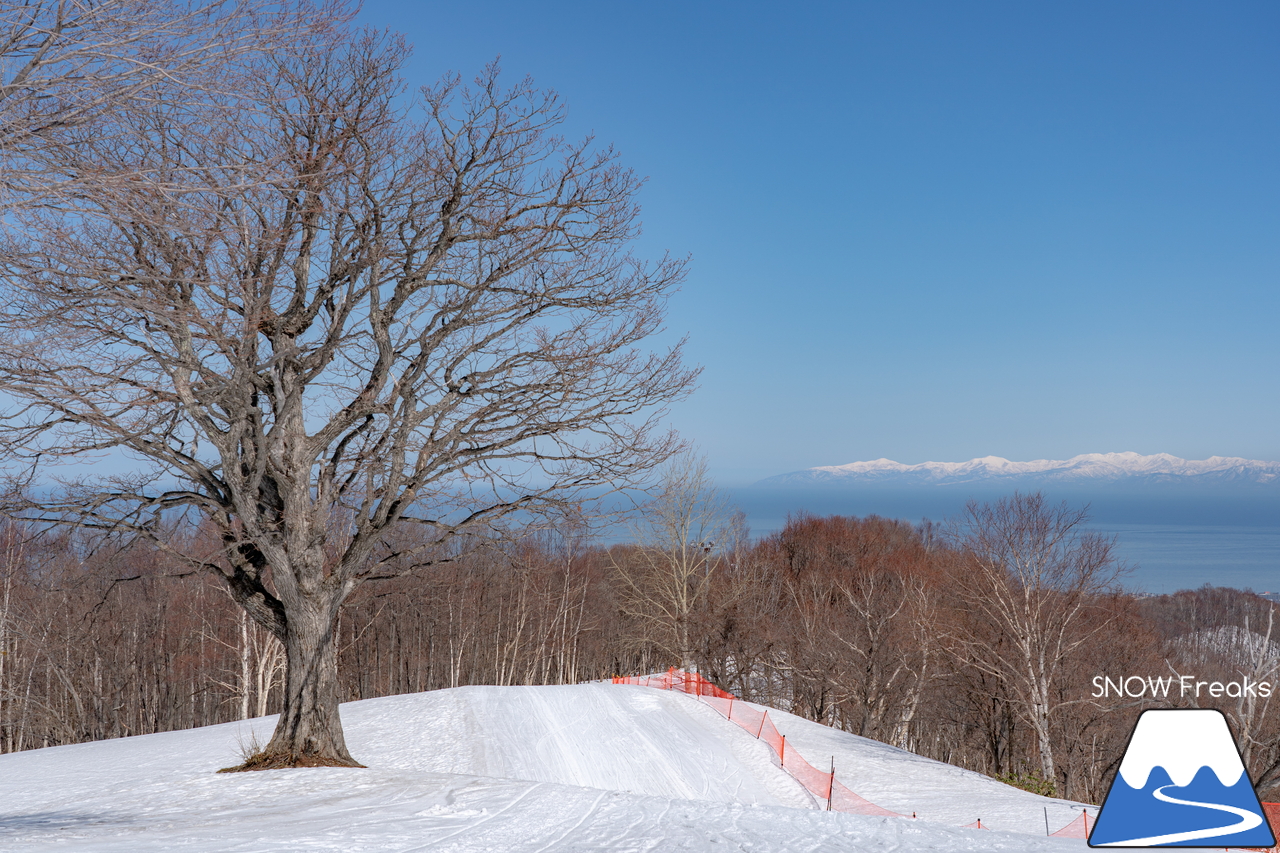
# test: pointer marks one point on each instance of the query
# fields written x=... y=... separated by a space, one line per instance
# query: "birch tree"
x=1034 y=574
x=316 y=309
x=685 y=528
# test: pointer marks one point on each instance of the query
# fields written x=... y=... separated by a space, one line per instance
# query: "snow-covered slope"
x=589 y=767
x=615 y=737
x=1088 y=467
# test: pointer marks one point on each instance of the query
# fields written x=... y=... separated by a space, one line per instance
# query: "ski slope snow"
x=597 y=767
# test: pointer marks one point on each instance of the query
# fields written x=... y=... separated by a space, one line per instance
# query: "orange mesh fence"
x=661 y=682
x=1078 y=828
x=817 y=781
x=724 y=706
x=769 y=734
x=695 y=685
x=821 y=784
x=748 y=718
x=845 y=800
x=678 y=680
x=1272 y=811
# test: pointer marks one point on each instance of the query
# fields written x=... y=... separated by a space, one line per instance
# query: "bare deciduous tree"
x=314 y=311
x=1035 y=576
x=684 y=530
x=860 y=625
x=74 y=63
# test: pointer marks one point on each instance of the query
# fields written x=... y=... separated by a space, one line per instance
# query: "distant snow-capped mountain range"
x=1084 y=469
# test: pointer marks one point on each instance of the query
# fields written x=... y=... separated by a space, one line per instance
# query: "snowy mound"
x=616 y=738
x=522 y=769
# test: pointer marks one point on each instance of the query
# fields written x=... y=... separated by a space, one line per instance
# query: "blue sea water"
x=1169 y=541
x=1166 y=558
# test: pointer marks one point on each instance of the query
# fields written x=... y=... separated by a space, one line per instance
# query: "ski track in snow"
x=594 y=767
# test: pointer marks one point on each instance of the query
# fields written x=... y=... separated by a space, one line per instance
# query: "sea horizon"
x=1169 y=542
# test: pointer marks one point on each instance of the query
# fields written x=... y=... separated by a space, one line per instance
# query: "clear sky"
x=935 y=230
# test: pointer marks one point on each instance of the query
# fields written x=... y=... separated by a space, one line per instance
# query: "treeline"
x=964 y=645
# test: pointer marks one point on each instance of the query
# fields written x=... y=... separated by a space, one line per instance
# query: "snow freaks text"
x=1135 y=686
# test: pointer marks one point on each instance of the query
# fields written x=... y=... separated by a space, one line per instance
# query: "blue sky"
x=935 y=231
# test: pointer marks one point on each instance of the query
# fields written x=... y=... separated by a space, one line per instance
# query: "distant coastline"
x=1177 y=536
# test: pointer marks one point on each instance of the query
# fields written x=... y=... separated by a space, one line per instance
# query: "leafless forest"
x=882 y=628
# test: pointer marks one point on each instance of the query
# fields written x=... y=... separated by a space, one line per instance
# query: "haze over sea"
x=1171 y=541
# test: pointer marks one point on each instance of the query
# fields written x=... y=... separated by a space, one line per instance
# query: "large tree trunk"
x=309 y=733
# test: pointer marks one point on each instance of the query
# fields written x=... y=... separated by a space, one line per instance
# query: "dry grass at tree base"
x=279 y=761
x=257 y=758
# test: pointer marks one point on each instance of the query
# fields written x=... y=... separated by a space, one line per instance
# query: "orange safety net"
x=845 y=800
x=1078 y=828
x=724 y=706
x=821 y=784
x=769 y=734
x=818 y=782
x=678 y=680
x=748 y=718
x=1272 y=811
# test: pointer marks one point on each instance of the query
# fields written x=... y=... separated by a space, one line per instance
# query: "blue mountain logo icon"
x=1181 y=784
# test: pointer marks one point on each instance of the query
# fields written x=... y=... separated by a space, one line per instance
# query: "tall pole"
x=831 y=788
